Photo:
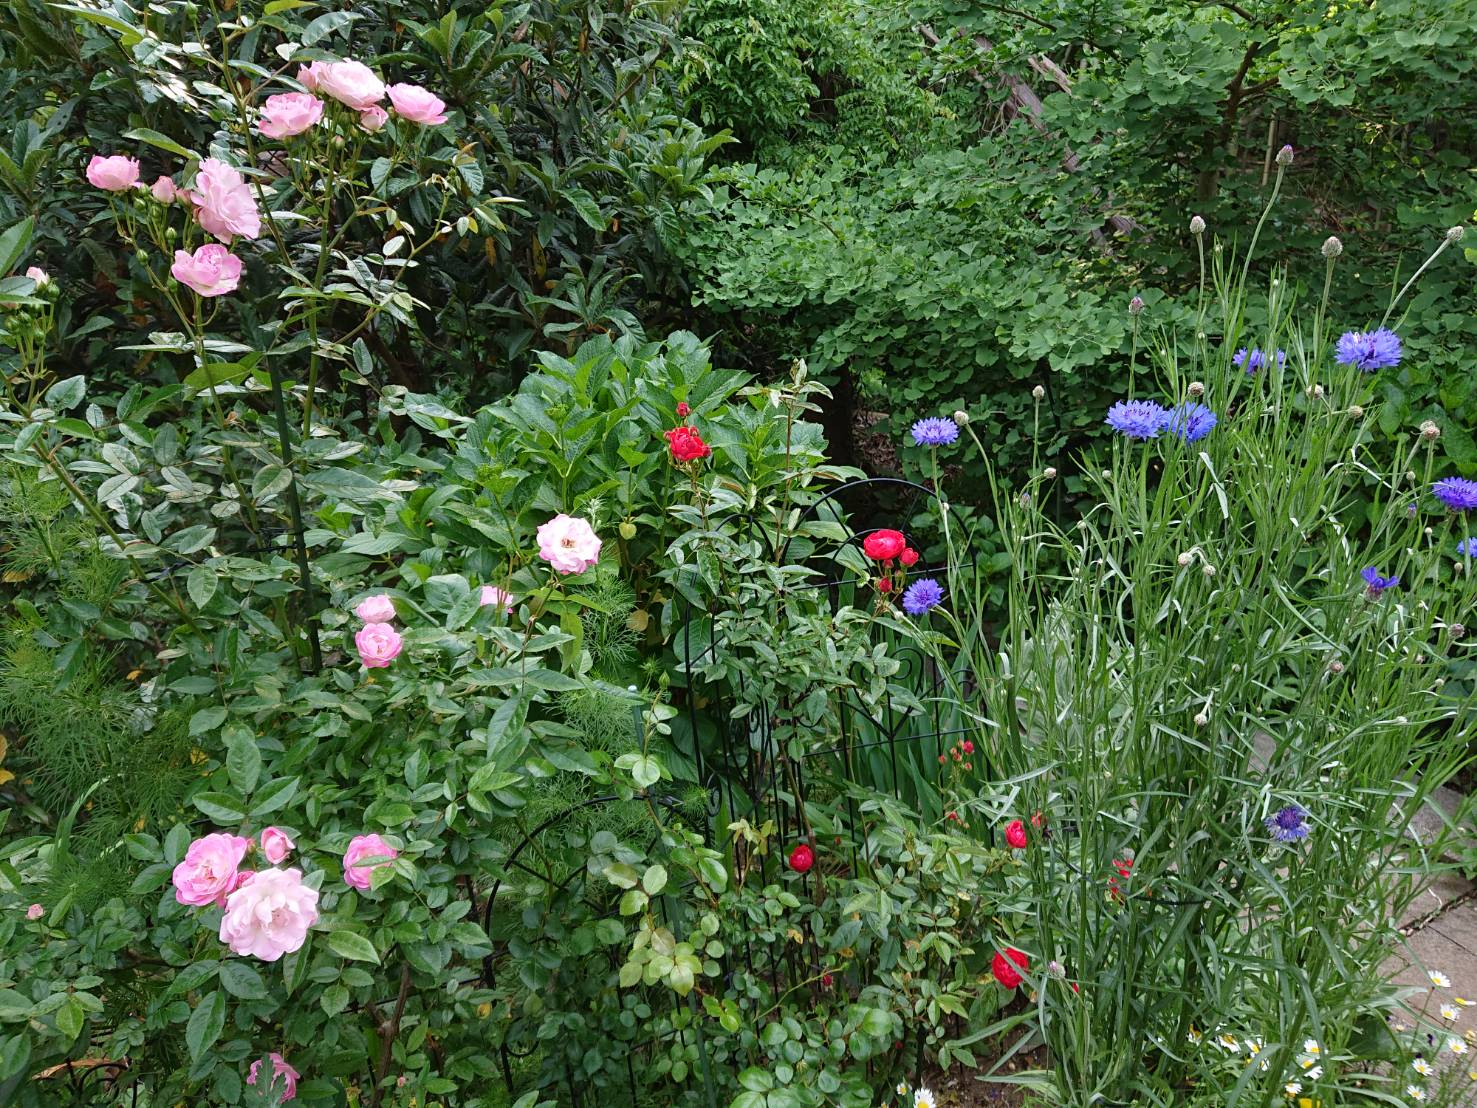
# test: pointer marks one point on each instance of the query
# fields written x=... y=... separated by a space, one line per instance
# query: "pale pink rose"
x=35 y=911
x=373 y=118
x=491 y=594
x=417 y=104
x=568 y=544
x=309 y=75
x=351 y=83
x=116 y=174
x=288 y=114
x=376 y=609
x=211 y=271
x=269 y=916
x=276 y=844
x=379 y=644
x=208 y=872
x=284 y=1077
x=223 y=202
x=360 y=848
x=163 y=190
x=39 y=275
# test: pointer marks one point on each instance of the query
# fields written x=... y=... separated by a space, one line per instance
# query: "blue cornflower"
x=1288 y=825
x=1255 y=359
x=1457 y=493
x=935 y=432
x=1369 y=350
x=1376 y=583
x=1191 y=422
x=1467 y=548
x=1138 y=419
x=922 y=595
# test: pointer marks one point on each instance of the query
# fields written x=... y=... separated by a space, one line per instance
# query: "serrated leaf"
x=239 y=979
x=243 y=759
x=347 y=944
x=205 y=1024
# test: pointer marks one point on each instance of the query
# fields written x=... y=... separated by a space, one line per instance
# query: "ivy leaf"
x=205 y=1025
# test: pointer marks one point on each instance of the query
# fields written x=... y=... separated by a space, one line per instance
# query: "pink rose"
x=35 y=911
x=116 y=174
x=309 y=75
x=223 y=202
x=417 y=104
x=276 y=844
x=211 y=271
x=163 y=190
x=491 y=594
x=379 y=644
x=284 y=1077
x=270 y=914
x=39 y=275
x=360 y=848
x=568 y=544
x=373 y=118
x=376 y=609
x=353 y=84
x=288 y=114
x=208 y=872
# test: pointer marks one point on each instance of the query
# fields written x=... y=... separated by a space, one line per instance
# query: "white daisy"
x=1229 y=1043
x=1194 y=1037
x=1422 y=1067
x=902 y=1088
x=1307 y=1061
x=1311 y=1046
x=1292 y=1088
x=1315 y=1073
x=923 y=1099
x=1415 y=1092
x=1464 y=1002
x=1439 y=979
x=1457 y=1046
x=1450 y=1012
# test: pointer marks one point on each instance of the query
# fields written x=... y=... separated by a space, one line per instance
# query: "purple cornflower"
x=1288 y=825
x=922 y=595
x=1467 y=548
x=935 y=432
x=1254 y=360
x=1191 y=422
x=1376 y=583
x=1369 y=350
x=1457 y=493
x=1138 y=419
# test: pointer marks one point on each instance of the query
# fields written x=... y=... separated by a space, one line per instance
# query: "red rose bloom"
x=884 y=545
x=687 y=445
x=1004 y=972
x=802 y=858
x=909 y=556
x=1015 y=834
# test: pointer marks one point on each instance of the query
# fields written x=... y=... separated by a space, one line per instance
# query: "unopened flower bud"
x=1039 y=392
x=1402 y=720
x=1457 y=630
x=1136 y=305
x=38 y=275
x=1410 y=476
x=1201 y=719
x=1197 y=225
x=1315 y=391
x=1332 y=247
x=1455 y=234
x=1284 y=156
x=1186 y=558
x=1208 y=569
x=1025 y=500
x=1335 y=666
x=1049 y=472
x=1356 y=410
x=961 y=418
x=1429 y=431
x=1196 y=388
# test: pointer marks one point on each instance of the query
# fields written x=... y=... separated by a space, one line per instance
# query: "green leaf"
x=221 y=807
x=13 y=244
x=205 y=1024
x=239 y=979
x=163 y=142
x=200 y=583
x=243 y=758
x=326 y=24
x=67 y=393
x=654 y=880
x=274 y=795
x=347 y=944
x=334 y=1000
x=207 y=719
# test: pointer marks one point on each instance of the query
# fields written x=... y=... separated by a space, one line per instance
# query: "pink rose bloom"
x=352 y=84
x=288 y=114
x=373 y=118
x=376 y=609
x=223 y=202
x=269 y=916
x=208 y=872
x=276 y=844
x=417 y=104
x=309 y=75
x=116 y=174
x=568 y=544
x=211 y=271
x=163 y=190
x=35 y=911
x=284 y=1077
x=379 y=644
x=491 y=594
x=361 y=847
x=39 y=275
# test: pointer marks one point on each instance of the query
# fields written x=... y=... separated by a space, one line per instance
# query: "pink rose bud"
x=116 y=174
x=208 y=871
x=211 y=271
x=353 y=84
x=309 y=75
x=379 y=644
x=373 y=118
x=269 y=916
x=376 y=609
x=568 y=544
x=39 y=275
x=284 y=1077
x=276 y=844
x=363 y=847
x=288 y=114
x=163 y=190
x=417 y=104
x=491 y=594
x=35 y=911
x=223 y=202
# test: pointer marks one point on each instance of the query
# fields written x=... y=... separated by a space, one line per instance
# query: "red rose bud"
x=1004 y=972
x=802 y=858
x=1038 y=820
x=827 y=981
x=909 y=556
x=884 y=585
x=968 y=747
x=687 y=445
x=683 y=411
x=884 y=545
x=1015 y=834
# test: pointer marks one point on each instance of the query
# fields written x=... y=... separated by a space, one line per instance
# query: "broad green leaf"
x=205 y=1024
x=347 y=944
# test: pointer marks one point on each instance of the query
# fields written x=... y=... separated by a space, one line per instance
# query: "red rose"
x=827 y=981
x=884 y=585
x=1004 y=972
x=683 y=411
x=968 y=747
x=1015 y=834
x=802 y=858
x=1038 y=820
x=909 y=556
x=884 y=545
x=687 y=445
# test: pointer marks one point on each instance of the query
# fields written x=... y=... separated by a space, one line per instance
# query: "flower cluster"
x=961 y=753
x=379 y=644
x=1145 y=419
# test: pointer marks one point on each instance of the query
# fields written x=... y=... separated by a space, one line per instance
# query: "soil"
x=960 y=1089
